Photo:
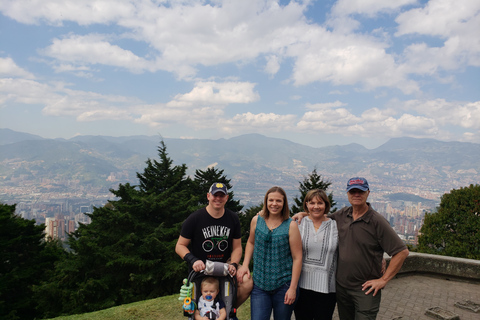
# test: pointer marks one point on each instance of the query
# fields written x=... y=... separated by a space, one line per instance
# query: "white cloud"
x=185 y=35
x=441 y=18
x=55 y=12
x=346 y=60
x=202 y=107
x=9 y=68
x=378 y=115
x=261 y=122
x=368 y=7
x=212 y=34
x=61 y=101
x=273 y=65
x=87 y=106
x=26 y=91
x=374 y=122
x=201 y=42
x=342 y=20
x=406 y=126
x=218 y=93
x=93 y=49
x=164 y=115
x=462 y=114
x=334 y=117
x=455 y=22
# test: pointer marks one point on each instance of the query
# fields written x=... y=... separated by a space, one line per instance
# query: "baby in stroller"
x=209 y=306
x=212 y=288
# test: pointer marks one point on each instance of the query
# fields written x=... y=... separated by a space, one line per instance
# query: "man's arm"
x=236 y=251
x=299 y=216
x=181 y=248
x=236 y=256
x=395 y=265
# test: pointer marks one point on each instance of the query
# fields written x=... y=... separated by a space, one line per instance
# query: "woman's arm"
x=248 y=249
x=296 y=249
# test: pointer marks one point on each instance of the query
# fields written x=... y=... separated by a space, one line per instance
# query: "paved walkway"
x=407 y=297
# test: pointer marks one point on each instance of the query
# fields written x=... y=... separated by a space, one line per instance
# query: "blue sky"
x=318 y=73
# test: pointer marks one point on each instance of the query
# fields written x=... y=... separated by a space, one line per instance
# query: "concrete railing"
x=445 y=266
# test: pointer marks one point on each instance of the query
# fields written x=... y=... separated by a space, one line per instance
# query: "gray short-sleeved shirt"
x=361 y=245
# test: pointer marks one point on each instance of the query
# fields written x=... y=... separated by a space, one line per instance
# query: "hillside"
x=424 y=167
x=168 y=307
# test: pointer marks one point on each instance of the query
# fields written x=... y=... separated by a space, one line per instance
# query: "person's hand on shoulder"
x=299 y=216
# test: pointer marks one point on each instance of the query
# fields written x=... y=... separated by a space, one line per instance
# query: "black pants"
x=355 y=304
x=312 y=305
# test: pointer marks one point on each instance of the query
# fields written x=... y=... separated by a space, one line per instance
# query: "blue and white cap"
x=218 y=187
x=357 y=183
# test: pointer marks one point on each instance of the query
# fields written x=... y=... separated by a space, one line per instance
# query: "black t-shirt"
x=211 y=238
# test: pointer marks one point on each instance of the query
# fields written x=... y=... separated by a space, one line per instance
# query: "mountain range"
x=425 y=167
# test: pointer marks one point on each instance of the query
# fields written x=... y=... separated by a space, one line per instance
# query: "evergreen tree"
x=160 y=176
x=127 y=252
x=26 y=259
x=454 y=229
x=204 y=179
x=313 y=181
x=246 y=218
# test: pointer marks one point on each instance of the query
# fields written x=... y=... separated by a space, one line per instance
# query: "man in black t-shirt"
x=213 y=233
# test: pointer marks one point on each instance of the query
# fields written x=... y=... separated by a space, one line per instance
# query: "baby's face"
x=209 y=291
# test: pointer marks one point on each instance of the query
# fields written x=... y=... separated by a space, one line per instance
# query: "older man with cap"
x=213 y=233
x=363 y=237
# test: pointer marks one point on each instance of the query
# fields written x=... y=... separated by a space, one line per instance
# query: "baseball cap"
x=357 y=183
x=218 y=187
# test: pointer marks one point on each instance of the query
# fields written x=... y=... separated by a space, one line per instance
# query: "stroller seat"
x=227 y=286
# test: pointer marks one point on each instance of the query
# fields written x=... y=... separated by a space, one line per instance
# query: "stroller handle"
x=215 y=268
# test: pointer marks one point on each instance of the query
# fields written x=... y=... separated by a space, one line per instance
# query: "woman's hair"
x=285 y=210
x=316 y=193
x=210 y=280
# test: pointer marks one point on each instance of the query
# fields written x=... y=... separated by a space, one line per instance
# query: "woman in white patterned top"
x=320 y=241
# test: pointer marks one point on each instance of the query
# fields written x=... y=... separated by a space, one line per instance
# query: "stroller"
x=190 y=292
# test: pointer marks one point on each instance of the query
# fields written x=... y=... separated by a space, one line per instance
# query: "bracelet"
x=190 y=258
x=235 y=265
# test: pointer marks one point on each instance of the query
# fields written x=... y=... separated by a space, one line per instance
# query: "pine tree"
x=246 y=218
x=313 y=181
x=26 y=259
x=127 y=252
x=204 y=179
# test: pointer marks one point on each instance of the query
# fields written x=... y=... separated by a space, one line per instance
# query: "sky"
x=319 y=73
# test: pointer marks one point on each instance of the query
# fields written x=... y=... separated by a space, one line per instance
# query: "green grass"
x=168 y=308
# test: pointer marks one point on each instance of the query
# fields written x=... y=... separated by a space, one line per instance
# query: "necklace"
x=271 y=225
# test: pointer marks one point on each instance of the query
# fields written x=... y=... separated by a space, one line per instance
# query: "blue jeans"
x=262 y=302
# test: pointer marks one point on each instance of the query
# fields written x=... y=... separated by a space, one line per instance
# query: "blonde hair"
x=212 y=281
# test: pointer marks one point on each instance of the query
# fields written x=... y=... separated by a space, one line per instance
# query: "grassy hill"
x=168 y=307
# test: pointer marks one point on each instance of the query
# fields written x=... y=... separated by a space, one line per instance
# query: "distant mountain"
x=8 y=136
x=252 y=161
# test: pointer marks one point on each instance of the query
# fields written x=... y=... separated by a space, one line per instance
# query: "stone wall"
x=448 y=267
